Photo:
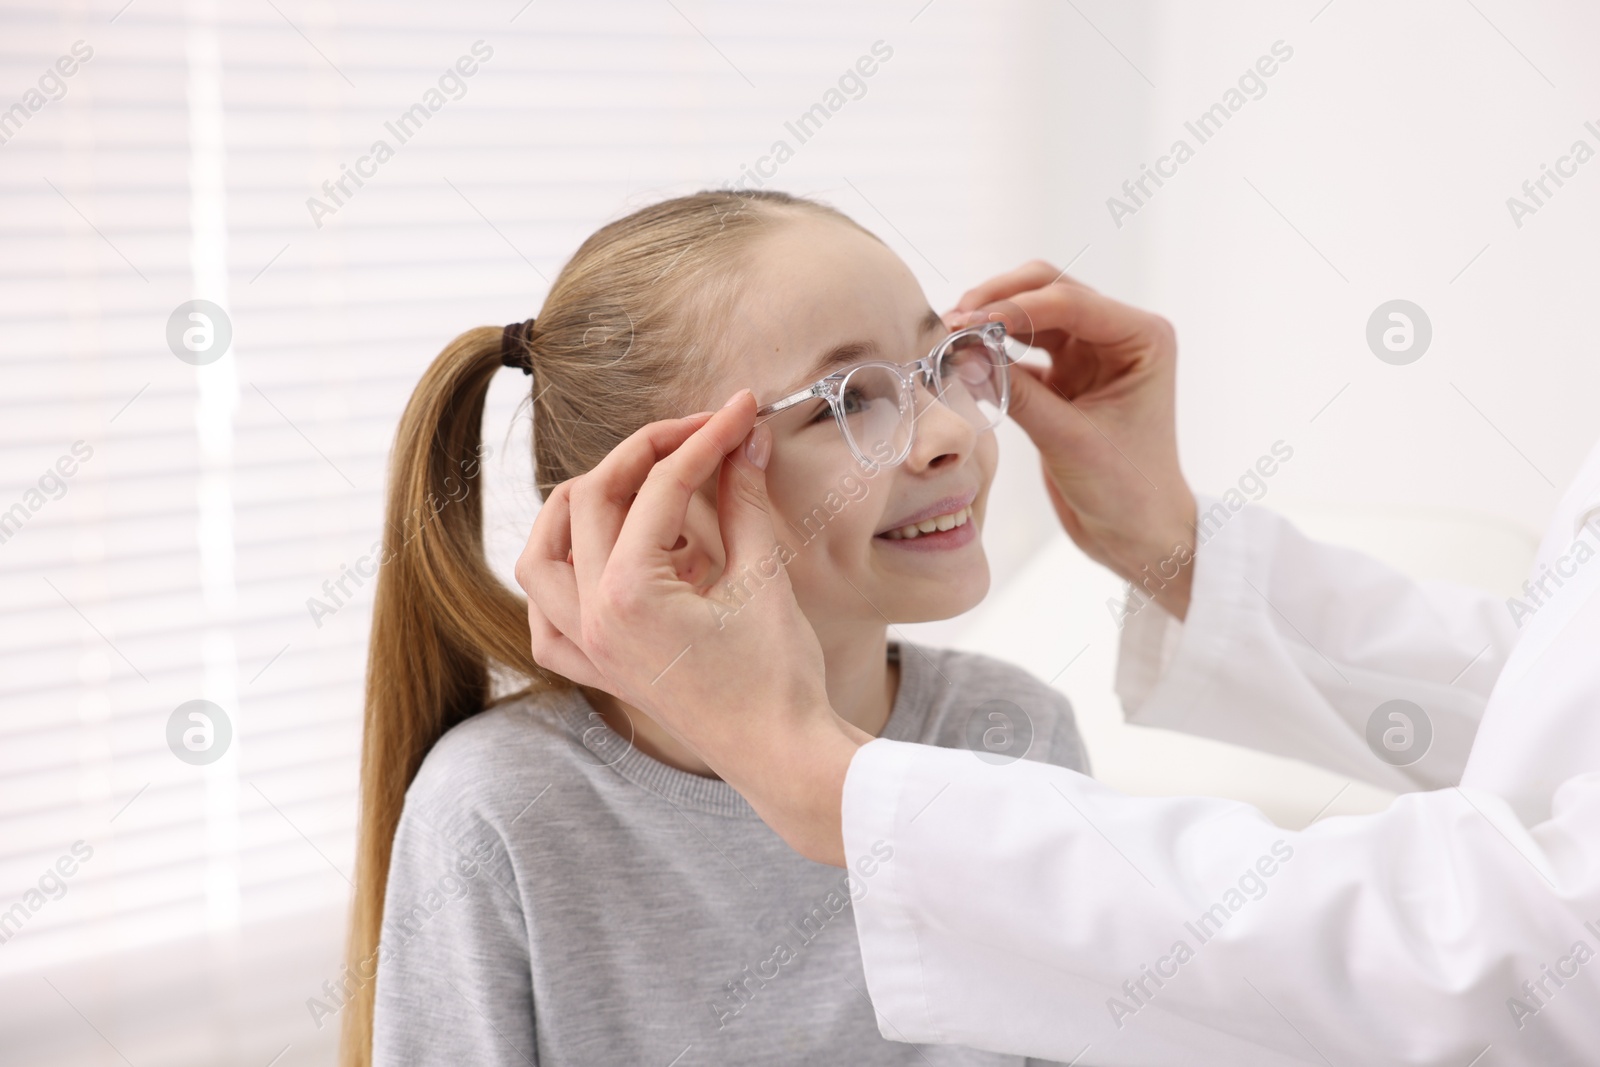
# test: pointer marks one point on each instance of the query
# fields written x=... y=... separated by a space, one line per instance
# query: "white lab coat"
x=1029 y=909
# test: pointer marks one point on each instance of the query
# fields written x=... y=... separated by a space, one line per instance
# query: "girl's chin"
x=933 y=600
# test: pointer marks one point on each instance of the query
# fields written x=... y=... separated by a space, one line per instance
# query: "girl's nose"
x=940 y=435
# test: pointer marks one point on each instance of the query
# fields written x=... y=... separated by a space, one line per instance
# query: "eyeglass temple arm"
x=816 y=390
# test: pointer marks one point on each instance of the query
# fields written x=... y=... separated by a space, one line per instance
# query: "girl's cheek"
x=789 y=490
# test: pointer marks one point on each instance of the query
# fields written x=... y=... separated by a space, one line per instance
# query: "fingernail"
x=758 y=449
x=735 y=397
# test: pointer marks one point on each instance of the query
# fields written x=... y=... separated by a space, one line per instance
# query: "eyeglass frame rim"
x=826 y=388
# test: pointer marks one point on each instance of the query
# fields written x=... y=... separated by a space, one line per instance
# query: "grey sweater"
x=557 y=897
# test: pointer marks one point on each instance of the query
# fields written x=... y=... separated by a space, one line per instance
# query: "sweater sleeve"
x=453 y=982
x=1066 y=743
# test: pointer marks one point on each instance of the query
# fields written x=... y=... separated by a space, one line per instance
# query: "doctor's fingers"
x=555 y=651
x=1044 y=410
x=544 y=571
x=1034 y=274
x=1086 y=316
x=602 y=499
x=550 y=539
x=655 y=522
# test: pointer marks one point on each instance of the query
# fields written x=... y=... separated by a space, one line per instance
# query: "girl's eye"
x=853 y=401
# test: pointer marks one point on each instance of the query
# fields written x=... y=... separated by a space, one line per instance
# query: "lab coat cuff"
x=891 y=950
x=1150 y=637
x=1163 y=665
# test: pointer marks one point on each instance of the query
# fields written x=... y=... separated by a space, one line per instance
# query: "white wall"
x=1391 y=141
x=1375 y=165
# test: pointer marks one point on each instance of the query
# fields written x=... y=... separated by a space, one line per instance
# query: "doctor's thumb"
x=744 y=512
x=1042 y=412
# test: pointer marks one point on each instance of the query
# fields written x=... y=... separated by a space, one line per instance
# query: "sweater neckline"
x=713 y=796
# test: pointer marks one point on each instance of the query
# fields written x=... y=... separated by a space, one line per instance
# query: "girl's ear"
x=698 y=557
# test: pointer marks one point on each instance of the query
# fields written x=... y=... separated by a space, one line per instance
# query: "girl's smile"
x=947 y=524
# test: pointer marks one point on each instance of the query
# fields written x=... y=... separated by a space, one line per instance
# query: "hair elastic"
x=514 y=346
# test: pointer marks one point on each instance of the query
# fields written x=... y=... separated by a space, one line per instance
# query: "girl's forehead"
x=829 y=264
x=811 y=287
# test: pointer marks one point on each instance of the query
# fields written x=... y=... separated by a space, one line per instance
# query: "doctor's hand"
x=1102 y=417
x=739 y=682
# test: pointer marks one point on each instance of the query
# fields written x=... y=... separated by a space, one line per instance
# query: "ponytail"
x=440 y=619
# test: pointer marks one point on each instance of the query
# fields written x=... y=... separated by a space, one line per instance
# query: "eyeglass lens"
x=972 y=379
x=878 y=405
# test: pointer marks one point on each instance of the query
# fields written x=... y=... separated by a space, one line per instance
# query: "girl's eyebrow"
x=857 y=351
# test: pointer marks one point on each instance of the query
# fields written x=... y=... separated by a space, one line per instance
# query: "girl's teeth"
x=938 y=523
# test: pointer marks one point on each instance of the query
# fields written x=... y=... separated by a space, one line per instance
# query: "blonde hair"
x=619 y=343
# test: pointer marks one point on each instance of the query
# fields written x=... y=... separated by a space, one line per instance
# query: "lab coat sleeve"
x=1291 y=647
x=1030 y=910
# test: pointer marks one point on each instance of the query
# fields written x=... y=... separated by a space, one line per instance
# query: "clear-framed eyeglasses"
x=875 y=404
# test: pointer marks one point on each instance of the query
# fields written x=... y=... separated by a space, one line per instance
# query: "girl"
x=545 y=876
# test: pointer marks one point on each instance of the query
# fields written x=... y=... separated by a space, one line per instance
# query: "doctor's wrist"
x=1159 y=565
x=795 y=782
